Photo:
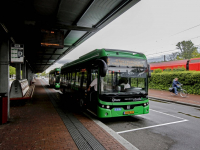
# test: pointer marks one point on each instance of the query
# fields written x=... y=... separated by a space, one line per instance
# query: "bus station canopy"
x=50 y=29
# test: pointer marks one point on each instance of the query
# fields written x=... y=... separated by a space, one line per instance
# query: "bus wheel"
x=82 y=104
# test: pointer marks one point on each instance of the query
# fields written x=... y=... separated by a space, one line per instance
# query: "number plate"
x=128 y=112
x=117 y=109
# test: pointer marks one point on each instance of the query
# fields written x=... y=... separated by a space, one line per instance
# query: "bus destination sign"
x=126 y=62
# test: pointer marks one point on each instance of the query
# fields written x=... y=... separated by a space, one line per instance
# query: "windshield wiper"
x=112 y=66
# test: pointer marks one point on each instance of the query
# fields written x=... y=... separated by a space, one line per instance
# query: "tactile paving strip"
x=81 y=136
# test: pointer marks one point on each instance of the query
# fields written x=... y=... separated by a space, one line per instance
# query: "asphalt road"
x=168 y=126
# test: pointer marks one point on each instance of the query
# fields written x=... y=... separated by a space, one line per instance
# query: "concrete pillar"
x=24 y=70
x=29 y=74
x=18 y=71
x=4 y=69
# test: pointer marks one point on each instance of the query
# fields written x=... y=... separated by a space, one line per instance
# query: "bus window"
x=93 y=74
x=78 y=78
x=69 y=78
x=138 y=82
x=73 y=78
x=84 y=79
x=66 y=78
x=57 y=78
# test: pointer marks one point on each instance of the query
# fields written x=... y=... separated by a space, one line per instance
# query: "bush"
x=189 y=79
x=167 y=70
x=157 y=70
x=179 y=69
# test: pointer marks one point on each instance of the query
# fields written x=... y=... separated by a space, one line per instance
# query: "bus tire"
x=82 y=104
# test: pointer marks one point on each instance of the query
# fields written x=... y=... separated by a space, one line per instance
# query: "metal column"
x=29 y=74
x=24 y=70
x=18 y=71
x=4 y=69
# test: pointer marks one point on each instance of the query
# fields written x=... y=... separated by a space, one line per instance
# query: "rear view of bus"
x=124 y=89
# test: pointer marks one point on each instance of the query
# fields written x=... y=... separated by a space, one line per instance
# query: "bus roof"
x=98 y=53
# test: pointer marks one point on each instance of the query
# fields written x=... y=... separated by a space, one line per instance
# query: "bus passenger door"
x=93 y=94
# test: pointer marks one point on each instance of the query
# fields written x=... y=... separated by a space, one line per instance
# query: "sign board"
x=54 y=39
x=126 y=62
x=17 y=53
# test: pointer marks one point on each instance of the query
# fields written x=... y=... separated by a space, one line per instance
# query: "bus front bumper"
x=119 y=112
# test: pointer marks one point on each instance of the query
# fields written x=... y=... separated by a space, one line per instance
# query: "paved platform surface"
x=193 y=100
x=37 y=125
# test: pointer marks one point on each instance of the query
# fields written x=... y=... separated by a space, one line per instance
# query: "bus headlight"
x=102 y=106
x=145 y=104
x=107 y=106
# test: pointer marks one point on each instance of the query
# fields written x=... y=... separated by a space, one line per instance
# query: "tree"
x=12 y=71
x=172 y=57
x=186 y=48
x=195 y=54
x=43 y=73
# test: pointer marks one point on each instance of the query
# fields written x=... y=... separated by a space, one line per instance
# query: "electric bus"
x=121 y=82
x=54 y=78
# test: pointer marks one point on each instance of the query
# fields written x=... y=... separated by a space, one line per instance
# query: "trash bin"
x=3 y=108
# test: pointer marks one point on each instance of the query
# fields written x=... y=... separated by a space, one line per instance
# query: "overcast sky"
x=153 y=27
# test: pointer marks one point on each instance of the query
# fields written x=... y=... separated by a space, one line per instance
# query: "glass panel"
x=124 y=80
x=85 y=79
x=195 y=61
x=73 y=78
x=57 y=78
x=78 y=78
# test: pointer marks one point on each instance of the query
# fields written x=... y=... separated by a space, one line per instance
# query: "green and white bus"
x=122 y=82
x=54 y=78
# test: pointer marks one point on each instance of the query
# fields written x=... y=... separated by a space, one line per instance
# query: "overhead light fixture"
x=4 y=27
x=12 y=40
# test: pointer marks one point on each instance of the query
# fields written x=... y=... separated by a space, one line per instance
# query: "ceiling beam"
x=47 y=54
x=74 y=27
x=42 y=64
x=82 y=14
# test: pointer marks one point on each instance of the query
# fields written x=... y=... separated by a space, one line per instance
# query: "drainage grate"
x=81 y=136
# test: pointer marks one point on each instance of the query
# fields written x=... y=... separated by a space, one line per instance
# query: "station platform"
x=47 y=123
x=191 y=100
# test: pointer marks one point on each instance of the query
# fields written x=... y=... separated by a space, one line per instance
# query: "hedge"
x=189 y=79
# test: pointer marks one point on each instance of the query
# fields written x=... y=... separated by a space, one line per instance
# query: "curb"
x=188 y=104
x=115 y=135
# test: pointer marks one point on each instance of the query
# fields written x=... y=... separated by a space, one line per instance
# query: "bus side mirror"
x=149 y=71
x=102 y=67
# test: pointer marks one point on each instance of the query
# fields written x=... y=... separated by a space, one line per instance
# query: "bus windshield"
x=57 y=78
x=124 y=81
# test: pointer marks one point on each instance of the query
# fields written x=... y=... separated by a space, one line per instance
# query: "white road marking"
x=153 y=126
x=58 y=91
x=166 y=114
x=164 y=124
